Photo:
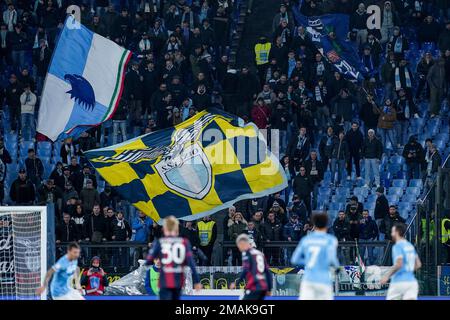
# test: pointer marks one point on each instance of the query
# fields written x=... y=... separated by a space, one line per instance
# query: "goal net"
x=23 y=252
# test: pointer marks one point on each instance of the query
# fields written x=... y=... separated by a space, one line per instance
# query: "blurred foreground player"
x=317 y=252
x=63 y=271
x=403 y=285
x=254 y=270
x=175 y=253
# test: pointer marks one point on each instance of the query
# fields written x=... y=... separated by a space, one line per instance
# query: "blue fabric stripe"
x=80 y=116
x=71 y=52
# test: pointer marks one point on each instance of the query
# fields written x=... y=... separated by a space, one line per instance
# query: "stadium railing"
x=278 y=253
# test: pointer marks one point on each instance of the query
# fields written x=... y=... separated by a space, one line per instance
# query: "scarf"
x=36 y=40
x=398 y=45
x=320 y=93
x=191 y=19
x=398 y=83
x=121 y=224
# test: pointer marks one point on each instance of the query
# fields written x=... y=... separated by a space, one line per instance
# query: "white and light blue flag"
x=83 y=84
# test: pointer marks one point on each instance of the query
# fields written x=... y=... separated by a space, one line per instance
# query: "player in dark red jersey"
x=254 y=270
x=175 y=254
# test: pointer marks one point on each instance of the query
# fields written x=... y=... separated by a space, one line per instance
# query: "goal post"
x=23 y=252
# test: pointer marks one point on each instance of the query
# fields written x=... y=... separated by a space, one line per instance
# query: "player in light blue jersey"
x=403 y=285
x=63 y=271
x=317 y=252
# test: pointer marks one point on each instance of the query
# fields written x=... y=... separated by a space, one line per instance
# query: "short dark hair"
x=73 y=245
x=401 y=228
x=320 y=219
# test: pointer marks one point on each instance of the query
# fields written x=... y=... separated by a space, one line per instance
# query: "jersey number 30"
x=175 y=253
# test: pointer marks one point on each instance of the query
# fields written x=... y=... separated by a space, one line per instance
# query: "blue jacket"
x=293 y=230
x=141 y=229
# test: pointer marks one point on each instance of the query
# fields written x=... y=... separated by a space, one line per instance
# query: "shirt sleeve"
x=298 y=256
x=154 y=253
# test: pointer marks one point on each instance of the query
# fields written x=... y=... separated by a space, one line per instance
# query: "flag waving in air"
x=83 y=84
x=194 y=169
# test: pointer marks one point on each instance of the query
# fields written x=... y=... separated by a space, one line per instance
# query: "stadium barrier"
x=278 y=253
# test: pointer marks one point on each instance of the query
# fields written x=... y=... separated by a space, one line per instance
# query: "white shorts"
x=403 y=291
x=315 y=291
x=71 y=295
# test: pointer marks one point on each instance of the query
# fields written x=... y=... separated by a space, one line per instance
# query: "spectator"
x=303 y=186
x=121 y=230
x=108 y=197
x=406 y=110
x=292 y=231
x=12 y=99
x=368 y=231
x=81 y=179
x=414 y=156
x=254 y=234
x=372 y=152
x=49 y=193
x=35 y=168
x=326 y=147
x=261 y=114
x=79 y=217
x=388 y=222
x=207 y=233
x=22 y=190
x=89 y=196
x=341 y=227
x=110 y=219
x=386 y=122
x=354 y=218
x=423 y=67
x=95 y=226
x=381 y=206
x=94 y=279
x=433 y=160
x=353 y=204
x=298 y=150
x=429 y=30
x=238 y=227
x=339 y=157
x=280 y=213
x=436 y=82
x=355 y=141
x=4 y=154
x=358 y=24
x=28 y=101
x=315 y=172
x=258 y=218
x=271 y=230
x=66 y=230
x=68 y=151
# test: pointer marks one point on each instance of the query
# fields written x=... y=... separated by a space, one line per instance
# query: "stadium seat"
x=372 y=198
x=399 y=183
x=358 y=191
x=336 y=206
x=344 y=191
x=369 y=206
x=412 y=198
x=416 y=183
x=339 y=198
x=398 y=160
x=393 y=199
x=398 y=191
x=413 y=190
x=405 y=206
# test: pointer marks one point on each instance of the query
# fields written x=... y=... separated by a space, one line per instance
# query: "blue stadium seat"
x=398 y=191
x=393 y=199
x=372 y=198
x=397 y=160
x=369 y=206
x=413 y=190
x=344 y=191
x=409 y=198
x=338 y=198
x=416 y=183
x=358 y=191
x=332 y=214
x=404 y=214
x=323 y=198
x=336 y=206
x=324 y=190
x=399 y=183
x=405 y=206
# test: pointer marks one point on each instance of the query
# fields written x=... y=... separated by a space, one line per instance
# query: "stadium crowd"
x=363 y=151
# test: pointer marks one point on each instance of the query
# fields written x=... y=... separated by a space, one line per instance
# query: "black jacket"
x=93 y=223
x=317 y=174
x=372 y=149
x=413 y=152
x=121 y=232
x=387 y=224
x=355 y=141
x=302 y=185
x=272 y=231
x=67 y=232
x=326 y=146
x=340 y=150
x=22 y=192
x=368 y=229
x=341 y=229
x=381 y=207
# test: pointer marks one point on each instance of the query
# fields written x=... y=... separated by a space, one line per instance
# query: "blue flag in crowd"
x=83 y=84
x=328 y=33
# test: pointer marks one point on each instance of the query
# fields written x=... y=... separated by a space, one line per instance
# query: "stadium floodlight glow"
x=23 y=252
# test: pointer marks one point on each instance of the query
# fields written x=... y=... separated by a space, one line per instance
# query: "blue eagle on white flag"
x=84 y=82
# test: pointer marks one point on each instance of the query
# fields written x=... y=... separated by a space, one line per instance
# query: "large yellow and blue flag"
x=193 y=169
